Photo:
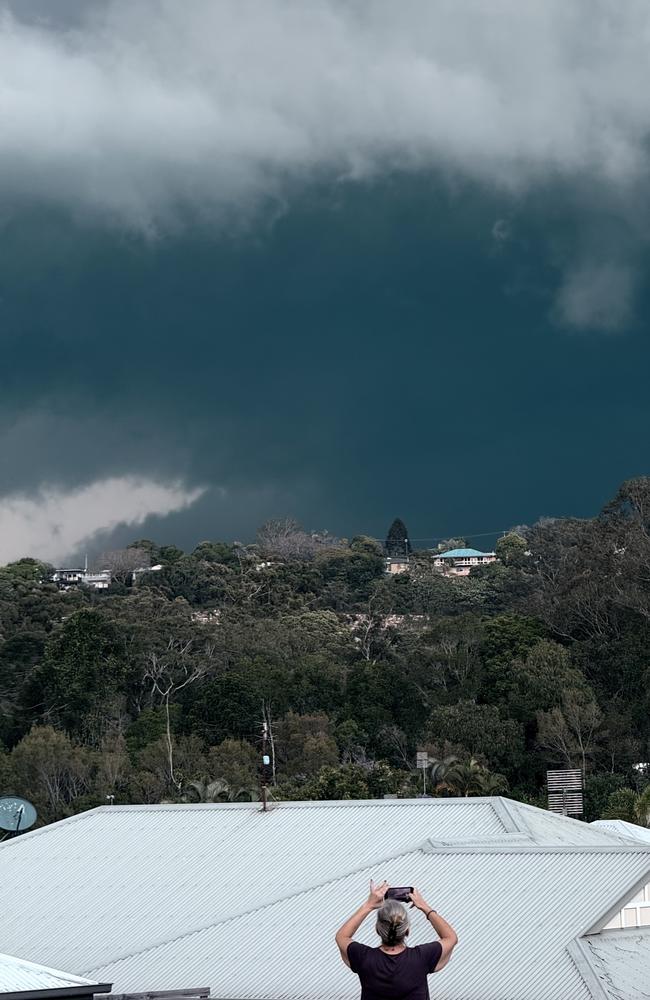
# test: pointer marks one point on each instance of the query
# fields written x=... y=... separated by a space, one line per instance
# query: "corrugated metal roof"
x=623 y=829
x=174 y=896
x=621 y=960
x=515 y=914
x=19 y=976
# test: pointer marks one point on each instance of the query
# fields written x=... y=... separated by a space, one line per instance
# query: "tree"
x=171 y=671
x=236 y=762
x=304 y=745
x=207 y=789
x=347 y=781
x=511 y=549
x=397 y=543
x=121 y=563
x=285 y=538
x=51 y=771
x=630 y=806
x=479 y=731
x=441 y=772
x=366 y=545
x=83 y=672
x=534 y=683
x=570 y=732
x=465 y=778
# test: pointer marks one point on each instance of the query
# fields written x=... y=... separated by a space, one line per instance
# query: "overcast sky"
x=325 y=258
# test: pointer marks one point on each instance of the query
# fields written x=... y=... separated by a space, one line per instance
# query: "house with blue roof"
x=460 y=562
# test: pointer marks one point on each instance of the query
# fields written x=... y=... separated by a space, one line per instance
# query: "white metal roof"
x=624 y=829
x=19 y=976
x=621 y=960
x=162 y=897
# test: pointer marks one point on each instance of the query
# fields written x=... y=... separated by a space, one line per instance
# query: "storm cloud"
x=321 y=259
x=137 y=106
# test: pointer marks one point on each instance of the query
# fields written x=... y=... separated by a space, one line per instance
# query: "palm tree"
x=217 y=790
x=472 y=778
x=439 y=770
x=642 y=808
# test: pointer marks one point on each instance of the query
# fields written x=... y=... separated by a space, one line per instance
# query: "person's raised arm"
x=446 y=933
x=345 y=933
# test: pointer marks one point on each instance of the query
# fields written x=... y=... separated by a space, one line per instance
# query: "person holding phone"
x=392 y=970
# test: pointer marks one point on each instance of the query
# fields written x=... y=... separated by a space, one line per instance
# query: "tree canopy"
x=158 y=688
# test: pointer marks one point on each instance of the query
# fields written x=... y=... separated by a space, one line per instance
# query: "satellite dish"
x=16 y=814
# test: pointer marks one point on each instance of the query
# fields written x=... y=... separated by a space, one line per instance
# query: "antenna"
x=16 y=814
x=86 y=565
x=565 y=792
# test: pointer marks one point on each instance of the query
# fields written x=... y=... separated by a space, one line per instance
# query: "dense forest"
x=158 y=689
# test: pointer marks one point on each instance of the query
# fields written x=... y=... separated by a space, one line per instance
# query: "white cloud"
x=151 y=102
x=596 y=297
x=54 y=522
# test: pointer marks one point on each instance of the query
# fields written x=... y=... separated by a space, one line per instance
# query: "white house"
x=66 y=578
x=247 y=902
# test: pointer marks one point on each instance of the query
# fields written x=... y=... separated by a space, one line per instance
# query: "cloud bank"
x=54 y=523
x=141 y=105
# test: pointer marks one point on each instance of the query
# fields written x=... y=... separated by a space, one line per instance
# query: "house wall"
x=636 y=913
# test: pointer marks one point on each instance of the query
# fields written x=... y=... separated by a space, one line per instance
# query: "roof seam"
x=254 y=909
x=583 y=961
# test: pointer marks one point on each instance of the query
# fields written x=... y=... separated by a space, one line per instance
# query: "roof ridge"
x=515 y=846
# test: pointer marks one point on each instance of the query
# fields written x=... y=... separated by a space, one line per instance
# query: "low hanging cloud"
x=54 y=523
x=132 y=108
x=596 y=296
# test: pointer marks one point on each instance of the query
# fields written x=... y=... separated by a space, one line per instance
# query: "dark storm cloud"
x=365 y=355
x=314 y=258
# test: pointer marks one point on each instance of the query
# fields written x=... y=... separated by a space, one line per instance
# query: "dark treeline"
x=157 y=690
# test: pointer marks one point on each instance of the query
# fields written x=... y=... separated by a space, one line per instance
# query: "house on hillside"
x=20 y=980
x=460 y=562
x=67 y=578
x=396 y=564
x=161 y=897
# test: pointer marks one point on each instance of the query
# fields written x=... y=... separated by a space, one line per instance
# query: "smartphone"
x=401 y=893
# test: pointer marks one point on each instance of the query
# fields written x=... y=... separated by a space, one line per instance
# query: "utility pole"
x=265 y=763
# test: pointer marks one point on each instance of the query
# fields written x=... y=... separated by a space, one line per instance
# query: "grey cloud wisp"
x=145 y=104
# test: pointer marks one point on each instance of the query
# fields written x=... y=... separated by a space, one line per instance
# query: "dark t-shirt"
x=394 y=977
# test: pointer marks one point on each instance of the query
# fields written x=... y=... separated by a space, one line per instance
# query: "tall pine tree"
x=397 y=540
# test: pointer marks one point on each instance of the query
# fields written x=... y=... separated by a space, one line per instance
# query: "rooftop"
x=461 y=554
x=26 y=978
x=623 y=829
x=162 y=897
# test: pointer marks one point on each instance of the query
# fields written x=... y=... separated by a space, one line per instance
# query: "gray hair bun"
x=392 y=922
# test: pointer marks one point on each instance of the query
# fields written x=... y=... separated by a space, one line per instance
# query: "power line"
x=460 y=534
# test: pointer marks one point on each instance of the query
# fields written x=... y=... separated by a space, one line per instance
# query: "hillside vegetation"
x=158 y=690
